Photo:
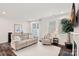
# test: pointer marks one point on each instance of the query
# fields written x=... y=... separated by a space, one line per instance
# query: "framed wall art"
x=17 y=28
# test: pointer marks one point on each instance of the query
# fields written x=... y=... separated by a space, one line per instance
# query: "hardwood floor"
x=6 y=50
x=63 y=50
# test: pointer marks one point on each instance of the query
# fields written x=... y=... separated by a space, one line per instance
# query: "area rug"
x=39 y=50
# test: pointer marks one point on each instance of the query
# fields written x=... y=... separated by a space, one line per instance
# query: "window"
x=35 y=29
x=37 y=26
x=34 y=26
x=52 y=26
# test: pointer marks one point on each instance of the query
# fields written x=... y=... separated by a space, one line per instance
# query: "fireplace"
x=9 y=37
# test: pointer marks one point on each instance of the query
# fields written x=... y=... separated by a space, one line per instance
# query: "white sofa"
x=22 y=40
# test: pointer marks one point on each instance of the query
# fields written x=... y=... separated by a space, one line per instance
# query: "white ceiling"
x=32 y=11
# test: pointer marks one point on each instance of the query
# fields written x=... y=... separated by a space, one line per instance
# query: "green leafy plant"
x=67 y=27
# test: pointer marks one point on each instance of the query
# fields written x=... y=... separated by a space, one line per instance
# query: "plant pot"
x=68 y=45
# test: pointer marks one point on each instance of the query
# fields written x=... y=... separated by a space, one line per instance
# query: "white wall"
x=8 y=26
x=44 y=24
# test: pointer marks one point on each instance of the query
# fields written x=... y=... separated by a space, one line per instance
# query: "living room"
x=31 y=25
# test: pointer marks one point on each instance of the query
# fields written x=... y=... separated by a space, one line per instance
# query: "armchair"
x=47 y=39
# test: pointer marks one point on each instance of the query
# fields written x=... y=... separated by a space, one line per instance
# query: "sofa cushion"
x=49 y=36
x=17 y=38
x=24 y=37
x=31 y=36
x=21 y=42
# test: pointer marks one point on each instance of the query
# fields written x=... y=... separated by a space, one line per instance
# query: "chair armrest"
x=14 y=44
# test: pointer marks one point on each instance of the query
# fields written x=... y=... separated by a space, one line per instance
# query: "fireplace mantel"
x=75 y=38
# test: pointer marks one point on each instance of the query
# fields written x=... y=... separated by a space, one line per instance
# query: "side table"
x=55 y=41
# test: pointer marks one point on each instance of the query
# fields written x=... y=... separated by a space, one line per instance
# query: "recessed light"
x=3 y=12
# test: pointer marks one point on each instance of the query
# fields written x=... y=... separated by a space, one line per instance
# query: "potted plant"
x=67 y=27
